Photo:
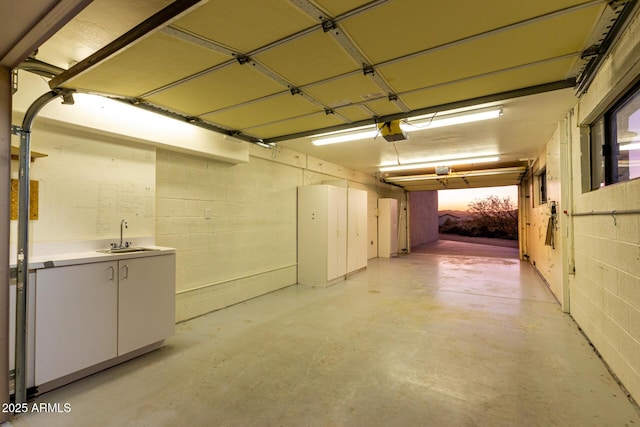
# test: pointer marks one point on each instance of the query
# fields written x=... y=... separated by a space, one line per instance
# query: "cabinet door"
x=76 y=318
x=146 y=301
x=357 y=230
x=312 y=235
x=336 y=232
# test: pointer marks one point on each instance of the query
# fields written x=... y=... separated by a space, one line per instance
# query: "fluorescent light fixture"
x=487 y=172
x=427 y=121
x=450 y=162
x=437 y=120
x=362 y=132
x=629 y=147
x=265 y=145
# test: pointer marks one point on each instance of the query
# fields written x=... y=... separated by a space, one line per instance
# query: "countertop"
x=86 y=257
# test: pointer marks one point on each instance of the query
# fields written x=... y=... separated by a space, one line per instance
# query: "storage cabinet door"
x=76 y=314
x=146 y=301
x=336 y=232
x=357 y=230
x=312 y=235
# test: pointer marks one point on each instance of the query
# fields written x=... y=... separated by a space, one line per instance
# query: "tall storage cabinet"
x=357 y=238
x=387 y=227
x=322 y=234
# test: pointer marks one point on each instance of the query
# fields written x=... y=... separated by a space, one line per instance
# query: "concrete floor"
x=417 y=340
x=468 y=246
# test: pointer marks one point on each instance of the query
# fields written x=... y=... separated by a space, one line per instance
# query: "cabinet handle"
x=126 y=271
x=113 y=273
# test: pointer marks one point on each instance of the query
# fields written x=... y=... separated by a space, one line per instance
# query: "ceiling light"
x=486 y=172
x=354 y=134
x=450 y=162
x=411 y=124
x=437 y=120
x=629 y=147
x=265 y=144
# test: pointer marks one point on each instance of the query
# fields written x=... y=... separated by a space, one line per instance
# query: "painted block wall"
x=423 y=217
x=605 y=290
x=546 y=259
x=247 y=246
x=234 y=227
x=605 y=293
x=87 y=184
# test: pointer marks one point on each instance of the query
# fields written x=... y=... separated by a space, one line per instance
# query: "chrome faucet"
x=123 y=225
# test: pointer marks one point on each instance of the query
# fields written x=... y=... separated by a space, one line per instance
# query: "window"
x=542 y=186
x=615 y=142
x=625 y=141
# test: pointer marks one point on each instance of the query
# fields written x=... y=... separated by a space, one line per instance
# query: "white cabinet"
x=76 y=318
x=146 y=301
x=322 y=234
x=357 y=238
x=90 y=313
x=387 y=227
x=332 y=233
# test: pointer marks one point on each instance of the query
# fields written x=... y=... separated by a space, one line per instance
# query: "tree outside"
x=493 y=217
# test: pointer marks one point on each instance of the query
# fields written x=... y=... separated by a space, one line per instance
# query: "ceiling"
x=278 y=72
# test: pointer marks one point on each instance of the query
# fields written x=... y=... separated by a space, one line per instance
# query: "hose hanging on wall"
x=550 y=239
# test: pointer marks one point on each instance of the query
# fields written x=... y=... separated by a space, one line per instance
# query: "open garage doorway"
x=474 y=222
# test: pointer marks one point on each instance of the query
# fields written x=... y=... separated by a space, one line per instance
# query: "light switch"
x=207 y=213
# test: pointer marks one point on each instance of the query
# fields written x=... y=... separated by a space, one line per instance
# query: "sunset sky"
x=460 y=199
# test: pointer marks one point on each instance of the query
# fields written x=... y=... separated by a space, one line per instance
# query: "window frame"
x=603 y=143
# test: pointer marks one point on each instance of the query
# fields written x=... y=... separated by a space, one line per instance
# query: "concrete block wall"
x=605 y=289
x=234 y=227
x=546 y=259
x=423 y=217
x=88 y=183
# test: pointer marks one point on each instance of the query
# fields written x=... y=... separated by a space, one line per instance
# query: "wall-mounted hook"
x=613 y=215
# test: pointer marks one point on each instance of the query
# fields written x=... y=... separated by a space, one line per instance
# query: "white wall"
x=234 y=227
x=248 y=245
x=605 y=292
x=546 y=259
x=605 y=289
x=87 y=184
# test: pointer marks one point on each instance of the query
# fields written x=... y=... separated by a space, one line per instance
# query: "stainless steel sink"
x=130 y=249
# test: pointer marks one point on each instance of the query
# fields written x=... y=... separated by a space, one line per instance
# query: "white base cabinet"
x=146 y=301
x=87 y=314
x=76 y=324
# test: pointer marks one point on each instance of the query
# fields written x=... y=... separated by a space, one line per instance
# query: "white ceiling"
x=269 y=72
